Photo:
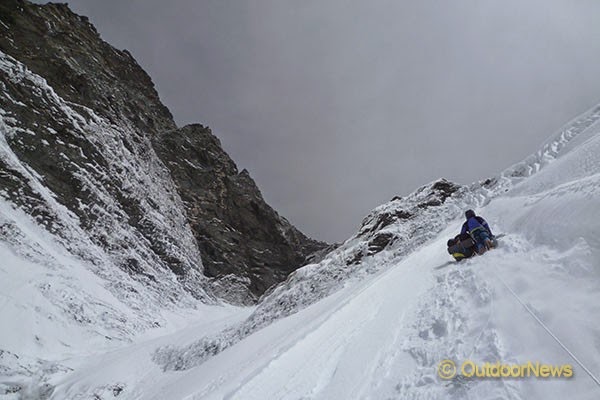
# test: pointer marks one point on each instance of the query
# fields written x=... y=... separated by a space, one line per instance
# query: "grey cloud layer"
x=336 y=106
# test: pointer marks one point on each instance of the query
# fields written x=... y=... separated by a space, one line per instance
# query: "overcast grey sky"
x=336 y=106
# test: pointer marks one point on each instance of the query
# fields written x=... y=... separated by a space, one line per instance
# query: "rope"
x=539 y=321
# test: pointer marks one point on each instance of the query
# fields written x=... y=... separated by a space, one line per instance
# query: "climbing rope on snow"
x=543 y=325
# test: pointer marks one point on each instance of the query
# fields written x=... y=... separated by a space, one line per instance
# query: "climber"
x=479 y=230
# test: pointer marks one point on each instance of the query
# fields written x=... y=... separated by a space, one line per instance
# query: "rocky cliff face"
x=88 y=149
x=239 y=235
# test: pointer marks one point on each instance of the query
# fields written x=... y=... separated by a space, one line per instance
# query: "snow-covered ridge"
x=556 y=145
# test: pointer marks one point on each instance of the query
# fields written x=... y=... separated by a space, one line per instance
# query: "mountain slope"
x=107 y=209
x=384 y=326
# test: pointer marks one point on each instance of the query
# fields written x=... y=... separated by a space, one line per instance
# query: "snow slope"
x=382 y=335
x=58 y=312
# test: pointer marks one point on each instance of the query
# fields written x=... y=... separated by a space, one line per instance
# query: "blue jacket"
x=474 y=223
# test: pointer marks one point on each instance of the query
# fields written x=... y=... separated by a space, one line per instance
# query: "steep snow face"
x=102 y=181
x=378 y=328
x=563 y=197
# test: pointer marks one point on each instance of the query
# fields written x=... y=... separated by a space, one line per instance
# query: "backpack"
x=463 y=247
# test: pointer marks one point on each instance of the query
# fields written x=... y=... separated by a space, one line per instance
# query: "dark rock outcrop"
x=237 y=232
x=89 y=150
